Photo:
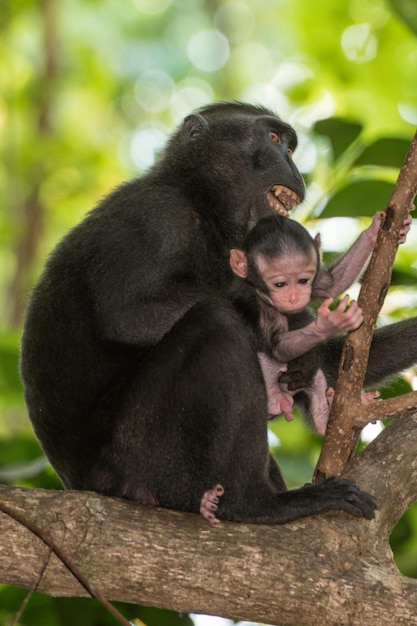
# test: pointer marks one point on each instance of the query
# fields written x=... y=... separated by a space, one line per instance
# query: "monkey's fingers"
x=352 y=310
x=330 y=392
x=209 y=503
x=352 y=499
x=352 y=321
x=346 y=316
x=369 y=397
x=406 y=225
x=344 y=303
x=360 y=505
x=324 y=306
x=289 y=417
x=296 y=379
x=377 y=220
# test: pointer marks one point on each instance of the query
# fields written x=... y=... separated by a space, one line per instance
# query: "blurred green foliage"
x=45 y=611
x=89 y=91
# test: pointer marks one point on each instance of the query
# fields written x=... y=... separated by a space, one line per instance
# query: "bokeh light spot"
x=153 y=91
x=208 y=50
x=146 y=143
x=236 y=20
x=359 y=44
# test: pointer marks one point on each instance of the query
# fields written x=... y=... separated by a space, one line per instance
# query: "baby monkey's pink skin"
x=209 y=503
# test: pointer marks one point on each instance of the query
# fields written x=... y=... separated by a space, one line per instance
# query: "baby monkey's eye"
x=279 y=285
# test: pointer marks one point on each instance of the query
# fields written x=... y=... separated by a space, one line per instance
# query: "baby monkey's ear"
x=239 y=262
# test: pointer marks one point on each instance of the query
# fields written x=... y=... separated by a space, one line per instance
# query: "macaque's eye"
x=279 y=285
x=305 y=282
x=275 y=138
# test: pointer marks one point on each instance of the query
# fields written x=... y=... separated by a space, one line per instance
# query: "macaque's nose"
x=293 y=296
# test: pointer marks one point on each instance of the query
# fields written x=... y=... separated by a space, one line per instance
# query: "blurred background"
x=90 y=90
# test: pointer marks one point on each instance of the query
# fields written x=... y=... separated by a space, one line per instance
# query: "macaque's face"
x=289 y=279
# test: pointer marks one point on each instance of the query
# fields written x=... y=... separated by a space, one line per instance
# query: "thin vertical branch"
x=75 y=571
x=31 y=207
x=347 y=415
x=32 y=589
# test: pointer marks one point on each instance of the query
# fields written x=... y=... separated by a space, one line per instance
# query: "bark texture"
x=347 y=416
x=332 y=569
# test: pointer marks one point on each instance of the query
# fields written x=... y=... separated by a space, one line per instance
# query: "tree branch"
x=75 y=571
x=332 y=565
x=347 y=415
x=387 y=468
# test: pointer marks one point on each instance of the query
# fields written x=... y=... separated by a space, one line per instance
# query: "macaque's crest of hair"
x=275 y=236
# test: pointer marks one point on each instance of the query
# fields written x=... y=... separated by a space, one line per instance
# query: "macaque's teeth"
x=279 y=208
x=286 y=199
x=282 y=211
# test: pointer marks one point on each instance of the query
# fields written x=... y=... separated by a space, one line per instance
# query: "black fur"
x=140 y=378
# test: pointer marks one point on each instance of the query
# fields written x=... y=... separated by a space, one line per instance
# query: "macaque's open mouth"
x=282 y=199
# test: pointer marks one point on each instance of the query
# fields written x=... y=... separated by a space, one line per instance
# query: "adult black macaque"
x=140 y=379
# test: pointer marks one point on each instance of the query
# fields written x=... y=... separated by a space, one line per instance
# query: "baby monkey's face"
x=289 y=279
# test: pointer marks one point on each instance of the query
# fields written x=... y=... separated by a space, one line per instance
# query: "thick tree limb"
x=331 y=569
x=347 y=415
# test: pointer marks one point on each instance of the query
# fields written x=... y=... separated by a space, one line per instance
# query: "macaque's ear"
x=239 y=262
x=317 y=241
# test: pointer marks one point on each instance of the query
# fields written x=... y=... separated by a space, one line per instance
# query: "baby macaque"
x=279 y=271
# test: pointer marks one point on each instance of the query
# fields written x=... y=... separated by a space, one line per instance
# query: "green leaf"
x=395 y=388
x=342 y=133
x=403 y=276
x=360 y=198
x=388 y=152
x=407 y=11
x=43 y=610
x=403 y=541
